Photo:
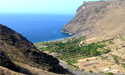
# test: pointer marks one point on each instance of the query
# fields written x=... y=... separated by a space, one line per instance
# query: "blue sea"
x=37 y=27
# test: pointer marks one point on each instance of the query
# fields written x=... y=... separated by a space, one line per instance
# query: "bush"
x=123 y=65
x=90 y=71
x=110 y=73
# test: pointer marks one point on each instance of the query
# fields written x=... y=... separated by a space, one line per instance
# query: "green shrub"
x=123 y=65
x=90 y=71
x=94 y=66
x=110 y=73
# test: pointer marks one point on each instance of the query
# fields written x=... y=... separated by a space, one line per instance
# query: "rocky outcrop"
x=19 y=49
x=98 y=18
x=6 y=62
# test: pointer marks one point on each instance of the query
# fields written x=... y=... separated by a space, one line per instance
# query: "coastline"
x=71 y=36
x=67 y=33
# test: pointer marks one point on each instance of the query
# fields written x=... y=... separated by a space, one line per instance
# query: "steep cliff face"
x=19 y=49
x=98 y=18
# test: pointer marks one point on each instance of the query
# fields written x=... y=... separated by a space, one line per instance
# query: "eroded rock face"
x=97 y=17
x=20 y=49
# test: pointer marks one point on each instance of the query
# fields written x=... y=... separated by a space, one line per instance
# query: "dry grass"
x=111 y=25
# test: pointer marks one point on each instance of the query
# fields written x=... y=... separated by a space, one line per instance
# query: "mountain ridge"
x=15 y=47
x=97 y=18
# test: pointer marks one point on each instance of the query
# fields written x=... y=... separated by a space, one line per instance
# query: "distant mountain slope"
x=19 y=49
x=98 y=18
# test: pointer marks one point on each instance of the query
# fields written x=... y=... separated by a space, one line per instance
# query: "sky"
x=40 y=6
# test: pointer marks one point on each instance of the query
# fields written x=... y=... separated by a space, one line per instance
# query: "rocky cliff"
x=98 y=18
x=15 y=47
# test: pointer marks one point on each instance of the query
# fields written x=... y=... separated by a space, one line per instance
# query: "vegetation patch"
x=70 y=51
x=123 y=65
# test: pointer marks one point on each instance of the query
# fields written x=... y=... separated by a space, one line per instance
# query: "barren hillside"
x=16 y=48
x=98 y=18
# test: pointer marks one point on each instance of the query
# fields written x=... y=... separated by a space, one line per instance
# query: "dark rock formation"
x=6 y=62
x=21 y=50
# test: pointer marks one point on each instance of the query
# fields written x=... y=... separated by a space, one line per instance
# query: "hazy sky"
x=40 y=6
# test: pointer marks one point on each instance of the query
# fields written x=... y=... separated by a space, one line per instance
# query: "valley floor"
x=110 y=62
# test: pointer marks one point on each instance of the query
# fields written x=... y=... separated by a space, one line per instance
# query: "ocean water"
x=37 y=27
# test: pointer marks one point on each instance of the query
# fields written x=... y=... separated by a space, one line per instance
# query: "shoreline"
x=56 y=40
x=67 y=33
x=70 y=36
